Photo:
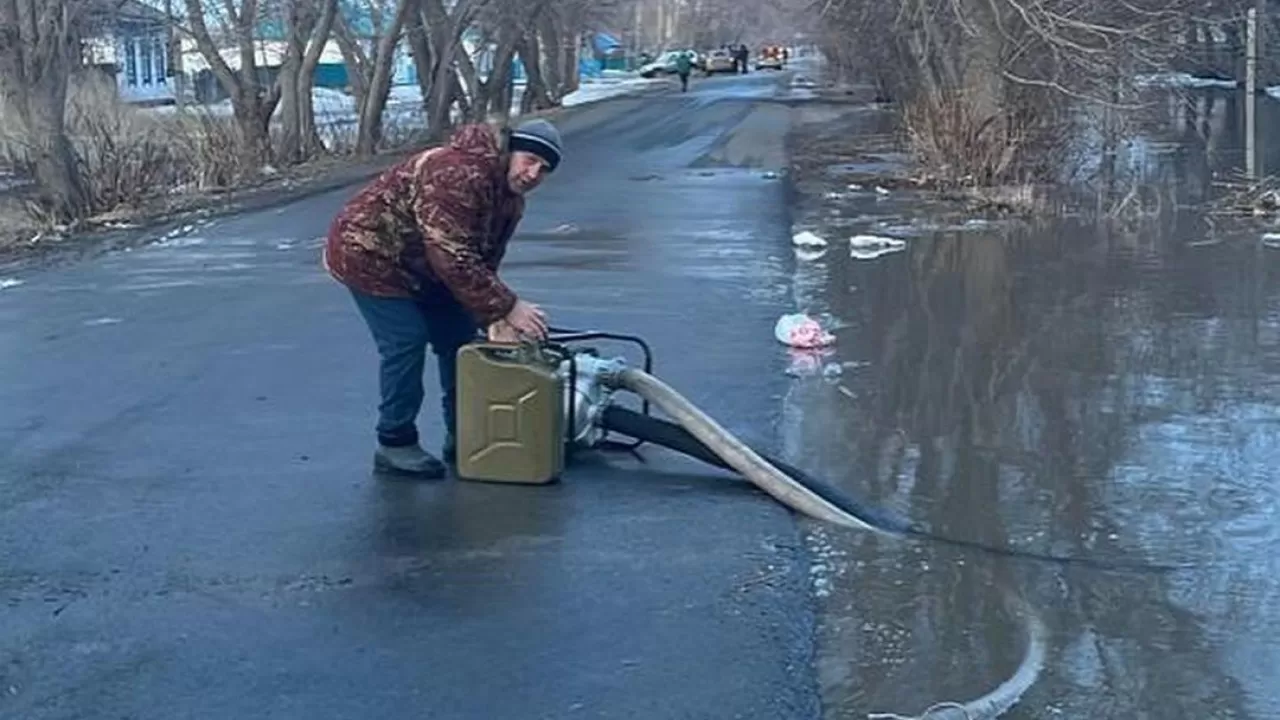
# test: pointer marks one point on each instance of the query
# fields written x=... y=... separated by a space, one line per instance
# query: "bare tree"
x=39 y=50
x=252 y=103
x=370 y=76
x=989 y=85
x=658 y=24
x=446 y=27
x=307 y=24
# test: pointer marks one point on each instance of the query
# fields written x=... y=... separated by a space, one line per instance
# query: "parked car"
x=665 y=64
x=770 y=58
x=720 y=61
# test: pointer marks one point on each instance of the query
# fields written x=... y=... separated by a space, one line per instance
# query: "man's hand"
x=528 y=320
x=502 y=332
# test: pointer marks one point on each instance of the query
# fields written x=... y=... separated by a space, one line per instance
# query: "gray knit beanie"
x=539 y=137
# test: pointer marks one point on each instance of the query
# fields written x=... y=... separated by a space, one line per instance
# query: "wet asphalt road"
x=188 y=522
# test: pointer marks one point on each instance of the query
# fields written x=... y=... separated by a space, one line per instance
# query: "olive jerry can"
x=510 y=417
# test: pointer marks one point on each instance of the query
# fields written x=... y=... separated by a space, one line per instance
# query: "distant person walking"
x=684 y=66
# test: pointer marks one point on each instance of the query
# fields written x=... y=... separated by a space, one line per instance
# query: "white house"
x=132 y=44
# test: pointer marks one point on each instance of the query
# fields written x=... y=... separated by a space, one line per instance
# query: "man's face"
x=526 y=172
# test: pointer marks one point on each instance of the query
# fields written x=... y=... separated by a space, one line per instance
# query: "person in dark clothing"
x=684 y=66
x=419 y=250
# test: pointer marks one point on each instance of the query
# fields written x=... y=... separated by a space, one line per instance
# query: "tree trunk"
x=312 y=144
x=252 y=106
x=296 y=27
x=35 y=64
x=356 y=61
x=570 y=75
x=420 y=47
x=498 y=87
x=550 y=62
x=472 y=85
x=446 y=40
x=535 y=89
x=62 y=189
x=370 y=133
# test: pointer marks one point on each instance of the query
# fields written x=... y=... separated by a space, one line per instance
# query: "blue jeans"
x=402 y=329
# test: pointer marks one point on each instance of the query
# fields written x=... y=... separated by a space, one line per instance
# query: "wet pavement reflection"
x=1066 y=389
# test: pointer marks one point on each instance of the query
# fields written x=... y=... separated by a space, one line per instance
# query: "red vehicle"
x=771 y=57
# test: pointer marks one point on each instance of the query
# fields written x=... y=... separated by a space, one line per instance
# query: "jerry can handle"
x=511 y=353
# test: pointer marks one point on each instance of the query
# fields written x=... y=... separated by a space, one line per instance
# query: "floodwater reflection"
x=1061 y=389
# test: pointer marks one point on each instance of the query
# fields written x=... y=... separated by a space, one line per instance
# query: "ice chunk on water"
x=870 y=247
x=809 y=254
x=807 y=239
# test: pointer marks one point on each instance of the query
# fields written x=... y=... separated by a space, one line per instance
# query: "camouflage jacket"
x=438 y=220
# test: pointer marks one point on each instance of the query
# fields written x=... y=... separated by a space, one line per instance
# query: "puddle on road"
x=1056 y=390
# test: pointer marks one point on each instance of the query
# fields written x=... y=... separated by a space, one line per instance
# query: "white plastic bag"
x=798 y=330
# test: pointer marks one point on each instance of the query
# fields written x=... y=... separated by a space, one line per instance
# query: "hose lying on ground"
x=699 y=436
x=1004 y=696
x=737 y=455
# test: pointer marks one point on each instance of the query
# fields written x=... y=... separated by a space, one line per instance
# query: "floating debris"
x=870 y=247
x=103 y=321
x=801 y=331
x=805 y=254
x=174 y=241
x=6 y=283
x=807 y=239
x=809 y=363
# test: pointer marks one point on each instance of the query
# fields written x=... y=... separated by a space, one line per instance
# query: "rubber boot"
x=408 y=460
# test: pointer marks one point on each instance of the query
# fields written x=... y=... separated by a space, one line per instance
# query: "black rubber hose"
x=674 y=437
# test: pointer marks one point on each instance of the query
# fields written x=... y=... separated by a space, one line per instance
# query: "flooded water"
x=1066 y=389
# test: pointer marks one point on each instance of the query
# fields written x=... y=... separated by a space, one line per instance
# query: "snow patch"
x=1182 y=80
x=607 y=87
